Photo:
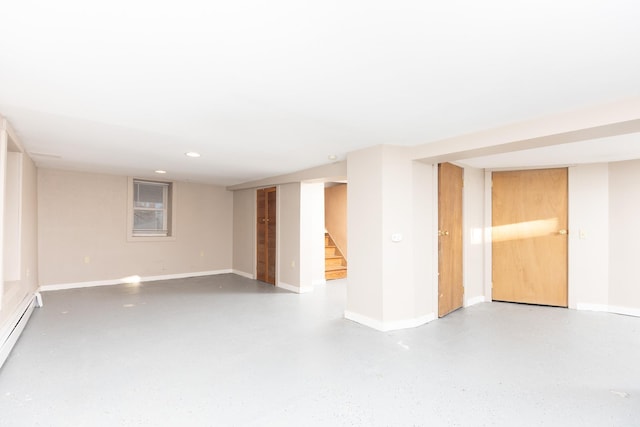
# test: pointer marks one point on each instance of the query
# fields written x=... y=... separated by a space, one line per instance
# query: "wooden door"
x=266 y=235
x=450 y=287
x=529 y=236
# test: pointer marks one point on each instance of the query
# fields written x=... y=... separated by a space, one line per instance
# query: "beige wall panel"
x=83 y=236
x=624 y=241
x=588 y=235
x=365 y=289
x=16 y=291
x=288 y=257
x=244 y=231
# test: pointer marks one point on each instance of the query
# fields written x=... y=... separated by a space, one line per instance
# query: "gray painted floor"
x=228 y=351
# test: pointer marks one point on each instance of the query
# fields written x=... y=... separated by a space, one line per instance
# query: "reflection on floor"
x=228 y=351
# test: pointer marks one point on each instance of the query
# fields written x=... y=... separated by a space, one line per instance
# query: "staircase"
x=335 y=266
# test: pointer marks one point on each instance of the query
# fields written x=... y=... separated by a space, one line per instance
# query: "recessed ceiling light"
x=192 y=154
x=332 y=157
x=160 y=171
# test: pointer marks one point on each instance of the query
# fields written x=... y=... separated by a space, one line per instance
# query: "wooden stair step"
x=334 y=262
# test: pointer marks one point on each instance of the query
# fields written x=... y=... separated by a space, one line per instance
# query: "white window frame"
x=169 y=212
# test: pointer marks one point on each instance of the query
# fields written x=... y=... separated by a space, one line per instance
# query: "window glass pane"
x=148 y=221
x=148 y=195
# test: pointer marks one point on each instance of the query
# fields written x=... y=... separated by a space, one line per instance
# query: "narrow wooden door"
x=266 y=235
x=530 y=236
x=450 y=287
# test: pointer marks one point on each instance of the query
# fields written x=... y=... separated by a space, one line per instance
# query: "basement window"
x=151 y=209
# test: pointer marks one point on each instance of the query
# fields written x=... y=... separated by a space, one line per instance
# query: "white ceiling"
x=262 y=88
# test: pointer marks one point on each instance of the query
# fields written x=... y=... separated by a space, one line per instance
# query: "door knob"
x=443 y=233
x=563 y=232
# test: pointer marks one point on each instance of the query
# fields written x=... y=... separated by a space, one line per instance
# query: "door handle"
x=443 y=233
x=563 y=232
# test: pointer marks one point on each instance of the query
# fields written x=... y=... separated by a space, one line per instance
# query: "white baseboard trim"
x=296 y=289
x=243 y=274
x=627 y=311
x=474 y=301
x=592 y=307
x=319 y=282
x=389 y=326
x=11 y=331
x=62 y=286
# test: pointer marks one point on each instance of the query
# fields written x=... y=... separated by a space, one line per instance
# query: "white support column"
x=390 y=218
x=4 y=137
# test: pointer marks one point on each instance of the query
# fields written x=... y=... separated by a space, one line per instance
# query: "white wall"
x=624 y=243
x=364 y=231
x=473 y=210
x=425 y=240
x=288 y=239
x=392 y=284
x=588 y=236
x=311 y=235
x=25 y=284
x=12 y=217
x=397 y=218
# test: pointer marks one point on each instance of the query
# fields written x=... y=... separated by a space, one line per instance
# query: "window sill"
x=151 y=238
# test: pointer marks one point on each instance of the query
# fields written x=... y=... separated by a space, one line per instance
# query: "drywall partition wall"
x=425 y=240
x=624 y=243
x=244 y=232
x=311 y=235
x=473 y=236
x=389 y=195
x=3 y=167
x=397 y=236
x=589 y=236
x=12 y=216
x=82 y=221
x=335 y=215
x=364 y=230
x=16 y=292
x=288 y=240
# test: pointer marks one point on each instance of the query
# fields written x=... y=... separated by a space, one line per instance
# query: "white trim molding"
x=296 y=289
x=627 y=311
x=475 y=300
x=592 y=307
x=243 y=274
x=389 y=326
x=130 y=279
x=11 y=331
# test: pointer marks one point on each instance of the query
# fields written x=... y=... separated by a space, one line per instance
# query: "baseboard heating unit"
x=10 y=333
